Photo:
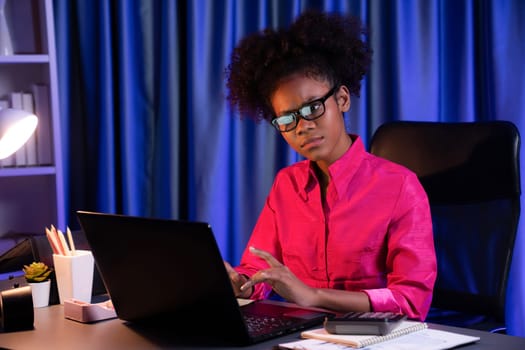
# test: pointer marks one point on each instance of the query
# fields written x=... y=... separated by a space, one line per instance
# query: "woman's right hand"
x=237 y=280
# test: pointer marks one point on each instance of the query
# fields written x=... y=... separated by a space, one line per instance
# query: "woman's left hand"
x=282 y=280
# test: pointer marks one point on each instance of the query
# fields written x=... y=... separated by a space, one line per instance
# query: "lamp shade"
x=16 y=127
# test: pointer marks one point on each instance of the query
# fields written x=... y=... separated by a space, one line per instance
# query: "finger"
x=229 y=268
x=258 y=277
x=234 y=275
x=249 y=284
x=266 y=256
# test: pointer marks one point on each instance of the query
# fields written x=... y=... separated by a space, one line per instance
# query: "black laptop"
x=171 y=272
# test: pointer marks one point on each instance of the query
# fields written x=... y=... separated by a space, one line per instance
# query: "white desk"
x=52 y=330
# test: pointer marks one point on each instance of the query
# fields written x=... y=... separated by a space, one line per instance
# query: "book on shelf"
x=25 y=25
x=410 y=334
x=16 y=103
x=44 y=135
x=9 y=161
x=30 y=146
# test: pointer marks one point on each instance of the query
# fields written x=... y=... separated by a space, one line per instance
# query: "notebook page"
x=426 y=339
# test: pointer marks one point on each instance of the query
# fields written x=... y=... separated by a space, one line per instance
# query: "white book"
x=9 y=161
x=20 y=155
x=44 y=135
x=30 y=146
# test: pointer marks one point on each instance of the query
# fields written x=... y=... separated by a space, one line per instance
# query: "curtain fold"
x=146 y=129
x=168 y=162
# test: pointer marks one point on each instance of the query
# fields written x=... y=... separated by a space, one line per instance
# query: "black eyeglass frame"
x=296 y=115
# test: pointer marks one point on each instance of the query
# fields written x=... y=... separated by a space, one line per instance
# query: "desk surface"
x=51 y=328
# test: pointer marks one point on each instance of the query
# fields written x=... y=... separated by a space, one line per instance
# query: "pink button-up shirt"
x=373 y=235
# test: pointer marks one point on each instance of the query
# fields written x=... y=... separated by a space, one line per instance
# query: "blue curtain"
x=147 y=131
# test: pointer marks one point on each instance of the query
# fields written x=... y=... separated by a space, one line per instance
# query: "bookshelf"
x=31 y=186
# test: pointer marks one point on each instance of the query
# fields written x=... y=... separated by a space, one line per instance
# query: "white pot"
x=40 y=292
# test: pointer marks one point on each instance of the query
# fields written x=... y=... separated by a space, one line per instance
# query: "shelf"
x=24 y=59
x=32 y=196
x=27 y=171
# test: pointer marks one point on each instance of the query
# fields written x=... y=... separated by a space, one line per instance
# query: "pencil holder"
x=74 y=275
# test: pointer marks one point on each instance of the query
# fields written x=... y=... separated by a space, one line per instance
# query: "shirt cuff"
x=382 y=300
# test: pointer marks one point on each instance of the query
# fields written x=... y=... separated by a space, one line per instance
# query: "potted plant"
x=37 y=276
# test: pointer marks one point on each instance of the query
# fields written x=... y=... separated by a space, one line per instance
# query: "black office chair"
x=471 y=174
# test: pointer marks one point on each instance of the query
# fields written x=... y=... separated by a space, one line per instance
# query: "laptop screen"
x=171 y=272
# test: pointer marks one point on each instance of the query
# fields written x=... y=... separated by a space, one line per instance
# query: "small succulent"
x=37 y=272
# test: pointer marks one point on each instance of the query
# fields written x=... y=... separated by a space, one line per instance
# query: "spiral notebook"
x=409 y=334
x=360 y=341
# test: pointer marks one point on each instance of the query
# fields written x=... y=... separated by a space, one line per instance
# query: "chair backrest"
x=471 y=174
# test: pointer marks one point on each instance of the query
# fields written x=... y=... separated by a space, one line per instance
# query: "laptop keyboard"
x=259 y=325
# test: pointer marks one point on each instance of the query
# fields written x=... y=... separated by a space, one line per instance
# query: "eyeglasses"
x=309 y=111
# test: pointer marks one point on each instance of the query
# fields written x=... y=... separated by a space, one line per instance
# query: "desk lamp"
x=16 y=127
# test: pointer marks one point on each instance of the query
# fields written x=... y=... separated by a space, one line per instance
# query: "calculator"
x=364 y=323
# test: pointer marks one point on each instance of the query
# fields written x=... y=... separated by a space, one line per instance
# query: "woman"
x=343 y=229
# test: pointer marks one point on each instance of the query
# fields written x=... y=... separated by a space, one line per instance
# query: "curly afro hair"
x=317 y=45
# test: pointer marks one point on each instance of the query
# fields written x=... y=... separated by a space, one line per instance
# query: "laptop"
x=171 y=273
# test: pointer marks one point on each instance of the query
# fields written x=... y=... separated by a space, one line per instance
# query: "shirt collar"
x=341 y=171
